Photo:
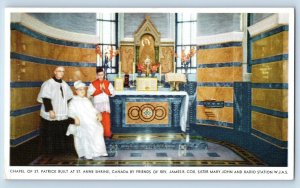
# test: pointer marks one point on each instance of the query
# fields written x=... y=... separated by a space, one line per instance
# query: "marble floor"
x=160 y=150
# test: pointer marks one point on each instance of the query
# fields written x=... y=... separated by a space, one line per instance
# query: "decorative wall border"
x=26 y=110
x=36 y=84
x=220 y=45
x=270 y=112
x=270 y=33
x=270 y=85
x=32 y=59
x=217 y=65
x=25 y=84
x=276 y=58
x=24 y=138
x=215 y=84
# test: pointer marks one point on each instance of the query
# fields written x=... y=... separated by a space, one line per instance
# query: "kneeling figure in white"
x=87 y=130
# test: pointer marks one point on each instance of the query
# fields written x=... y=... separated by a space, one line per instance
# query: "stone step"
x=133 y=145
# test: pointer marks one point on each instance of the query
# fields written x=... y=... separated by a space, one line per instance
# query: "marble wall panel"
x=274 y=72
x=23 y=97
x=24 y=44
x=217 y=114
x=24 y=71
x=24 y=124
x=270 y=125
x=275 y=99
x=220 y=55
x=270 y=46
x=223 y=74
x=215 y=93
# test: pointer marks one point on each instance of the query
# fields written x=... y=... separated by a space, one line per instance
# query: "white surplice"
x=101 y=101
x=59 y=94
x=88 y=136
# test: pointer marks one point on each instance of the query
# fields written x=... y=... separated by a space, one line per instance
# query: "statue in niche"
x=147 y=50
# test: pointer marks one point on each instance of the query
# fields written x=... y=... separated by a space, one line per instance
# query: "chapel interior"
x=192 y=89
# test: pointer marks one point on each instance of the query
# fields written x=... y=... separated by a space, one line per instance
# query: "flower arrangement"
x=140 y=68
x=187 y=55
x=98 y=50
x=154 y=68
x=111 y=53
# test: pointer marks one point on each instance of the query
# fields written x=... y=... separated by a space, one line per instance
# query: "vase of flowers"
x=140 y=69
x=154 y=69
x=186 y=59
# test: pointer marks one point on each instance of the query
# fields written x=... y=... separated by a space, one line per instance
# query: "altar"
x=149 y=111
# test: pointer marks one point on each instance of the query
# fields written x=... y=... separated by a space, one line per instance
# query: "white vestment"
x=101 y=101
x=59 y=99
x=88 y=136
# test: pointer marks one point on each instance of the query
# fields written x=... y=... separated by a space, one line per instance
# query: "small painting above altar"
x=146 y=84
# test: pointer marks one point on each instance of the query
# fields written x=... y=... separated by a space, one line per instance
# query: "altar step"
x=156 y=145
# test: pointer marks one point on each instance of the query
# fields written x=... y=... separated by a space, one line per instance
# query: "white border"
x=155 y=171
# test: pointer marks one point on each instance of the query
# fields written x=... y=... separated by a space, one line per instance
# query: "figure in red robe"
x=101 y=90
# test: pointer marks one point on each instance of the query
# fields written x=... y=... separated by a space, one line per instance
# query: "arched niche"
x=147 y=42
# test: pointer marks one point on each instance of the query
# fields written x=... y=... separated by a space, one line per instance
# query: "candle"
x=174 y=67
x=98 y=59
x=160 y=72
x=133 y=70
x=119 y=69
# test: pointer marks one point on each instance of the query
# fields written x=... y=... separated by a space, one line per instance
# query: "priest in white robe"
x=87 y=130
x=55 y=94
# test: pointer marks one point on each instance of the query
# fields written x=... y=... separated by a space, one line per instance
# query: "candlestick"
x=160 y=72
x=174 y=67
x=119 y=69
x=98 y=59
x=133 y=72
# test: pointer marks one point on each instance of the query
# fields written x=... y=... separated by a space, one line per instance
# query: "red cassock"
x=105 y=115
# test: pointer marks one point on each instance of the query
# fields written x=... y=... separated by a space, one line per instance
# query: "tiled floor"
x=161 y=150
